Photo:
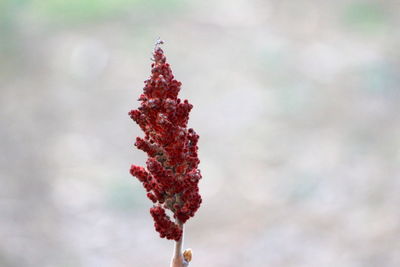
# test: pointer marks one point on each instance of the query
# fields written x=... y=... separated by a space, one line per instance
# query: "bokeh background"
x=298 y=108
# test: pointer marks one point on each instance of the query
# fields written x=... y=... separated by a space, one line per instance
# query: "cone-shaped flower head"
x=171 y=176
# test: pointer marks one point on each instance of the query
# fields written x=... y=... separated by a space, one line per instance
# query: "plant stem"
x=177 y=257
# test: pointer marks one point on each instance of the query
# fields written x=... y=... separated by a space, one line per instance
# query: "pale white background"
x=297 y=105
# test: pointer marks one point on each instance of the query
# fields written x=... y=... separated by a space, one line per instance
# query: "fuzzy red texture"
x=171 y=179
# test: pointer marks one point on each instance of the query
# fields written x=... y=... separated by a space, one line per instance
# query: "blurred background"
x=296 y=102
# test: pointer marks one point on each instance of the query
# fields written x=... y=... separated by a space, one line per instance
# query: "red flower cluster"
x=171 y=179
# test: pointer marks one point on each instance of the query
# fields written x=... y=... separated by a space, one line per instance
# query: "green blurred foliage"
x=366 y=17
x=381 y=79
x=82 y=10
x=8 y=20
x=79 y=11
x=125 y=197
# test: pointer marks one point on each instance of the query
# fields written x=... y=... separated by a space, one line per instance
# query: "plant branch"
x=178 y=259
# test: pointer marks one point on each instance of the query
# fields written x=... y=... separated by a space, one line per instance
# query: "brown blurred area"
x=297 y=107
